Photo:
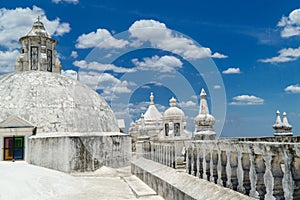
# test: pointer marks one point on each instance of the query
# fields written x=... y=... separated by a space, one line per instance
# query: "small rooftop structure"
x=174 y=121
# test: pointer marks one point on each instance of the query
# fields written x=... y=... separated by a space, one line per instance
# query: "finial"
x=151 y=98
x=38 y=19
x=285 y=121
x=278 y=119
x=203 y=93
x=172 y=102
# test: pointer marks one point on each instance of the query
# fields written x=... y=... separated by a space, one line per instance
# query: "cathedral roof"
x=54 y=103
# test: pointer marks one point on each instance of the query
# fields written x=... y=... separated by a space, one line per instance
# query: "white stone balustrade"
x=263 y=168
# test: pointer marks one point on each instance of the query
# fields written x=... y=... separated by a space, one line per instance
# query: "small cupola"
x=38 y=51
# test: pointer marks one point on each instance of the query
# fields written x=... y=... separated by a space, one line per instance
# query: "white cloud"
x=218 y=55
x=292 y=89
x=102 y=67
x=15 y=23
x=101 y=38
x=187 y=104
x=69 y=73
x=232 y=71
x=7 y=60
x=110 y=85
x=74 y=54
x=247 y=100
x=285 y=55
x=216 y=87
x=66 y=1
x=290 y=24
x=159 y=36
x=156 y=63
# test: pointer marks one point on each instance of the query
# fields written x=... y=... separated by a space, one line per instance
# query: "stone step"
x=140 y=189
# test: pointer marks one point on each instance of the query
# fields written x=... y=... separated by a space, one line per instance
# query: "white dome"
x=173 y=111
x=54 y=103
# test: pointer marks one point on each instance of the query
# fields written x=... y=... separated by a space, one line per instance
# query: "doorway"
x=14 y=148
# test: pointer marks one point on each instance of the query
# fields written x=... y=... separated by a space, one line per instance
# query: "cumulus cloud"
x=156 y=63
x=102 y=67
x=74 y=54
x=101 y=38
x=15 y=23
x=290 y=25
x=66 y=1
x=292 y=89
x=187 y=104
x=70 y=73
x=110 y=85
x=7 y=60
x=232 y=71
x=285 y=55
x=247 y=100
x=159 y=36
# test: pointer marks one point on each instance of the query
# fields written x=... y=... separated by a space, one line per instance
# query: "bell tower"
x=38 y=51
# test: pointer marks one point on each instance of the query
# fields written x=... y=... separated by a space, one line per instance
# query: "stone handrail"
x=264 y=168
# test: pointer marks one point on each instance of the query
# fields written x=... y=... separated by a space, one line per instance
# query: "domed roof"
x=173 y=111
x=54 y=103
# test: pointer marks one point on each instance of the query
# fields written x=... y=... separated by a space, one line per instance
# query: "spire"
x=204 y=121
x=151 y=98
x=203 y=103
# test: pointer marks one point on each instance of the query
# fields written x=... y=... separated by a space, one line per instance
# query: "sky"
x=244 y=54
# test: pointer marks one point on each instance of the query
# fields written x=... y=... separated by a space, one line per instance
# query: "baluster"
x=234 y=165
x=260 y=169
x=268 y=176
x=200 y=163
x=295 y=169
x=277 y=173
x=246 y=164
x=240 y=174
x=195 y=169
x=252 y=176
x=223 y=167
x=192 y=161
x=197 y=162
x=228 y=170
x=215 y=166
x=207 y=159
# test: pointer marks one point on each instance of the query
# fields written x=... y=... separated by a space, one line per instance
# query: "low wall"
x=80 y=152
x=173 y=185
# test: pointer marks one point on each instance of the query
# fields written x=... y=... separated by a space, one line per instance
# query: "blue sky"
x=253 y=47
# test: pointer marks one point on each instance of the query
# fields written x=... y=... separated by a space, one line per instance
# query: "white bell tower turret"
x=38 y=51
